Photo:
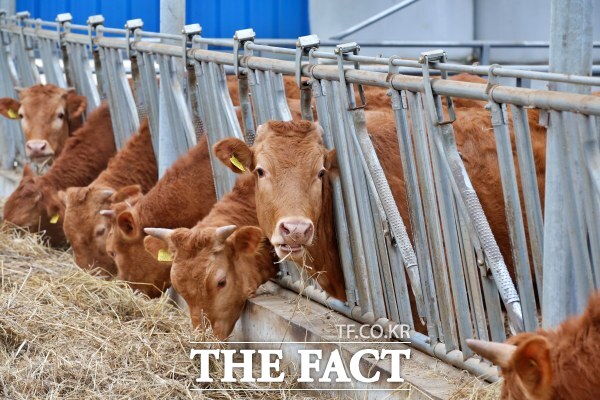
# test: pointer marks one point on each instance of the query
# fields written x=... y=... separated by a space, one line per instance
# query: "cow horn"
x=224 y=232
x=498 y=353
x=18 y=89
x=161 y=233
x=106 y=193
x=107 y=213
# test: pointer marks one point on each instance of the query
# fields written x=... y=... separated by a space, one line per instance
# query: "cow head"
x=86 y=229
x=36 y=207
x=526 y=365
x=125 y=244
x=290 y=165
x=214 y=270
x=48 y=115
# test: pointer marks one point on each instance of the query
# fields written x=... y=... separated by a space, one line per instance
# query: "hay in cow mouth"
x=64 y=333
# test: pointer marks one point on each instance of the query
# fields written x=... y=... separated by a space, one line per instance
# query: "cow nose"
x=37 y=148
x=296 y=231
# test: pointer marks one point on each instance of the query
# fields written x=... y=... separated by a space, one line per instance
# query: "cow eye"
x=100 y=231
x=221 y=283
x=321 y=173
x=260 y=172
x=61 y=115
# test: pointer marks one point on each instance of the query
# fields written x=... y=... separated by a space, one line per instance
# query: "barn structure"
x=442 y=267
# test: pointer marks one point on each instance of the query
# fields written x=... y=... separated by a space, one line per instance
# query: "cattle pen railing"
x=454 y=267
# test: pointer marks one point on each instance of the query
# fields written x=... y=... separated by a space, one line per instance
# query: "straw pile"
x=66 y=334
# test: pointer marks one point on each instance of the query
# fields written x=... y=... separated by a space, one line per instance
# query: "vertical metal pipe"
x=514 y=215
x=570 y=52
x=531 y=193
x=172 y=20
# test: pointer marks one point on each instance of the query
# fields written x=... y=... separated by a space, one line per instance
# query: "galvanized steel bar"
x=356 y=243
x=589 y=105
x=514 y=215
x=339 y=213
x=428 y=308
x=531 y=193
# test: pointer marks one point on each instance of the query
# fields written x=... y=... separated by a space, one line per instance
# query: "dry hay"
x=476 y=389
x=66 y=334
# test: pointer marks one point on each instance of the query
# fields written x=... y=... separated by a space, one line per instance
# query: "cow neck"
x=324 y=253
x=134 y=164
x=184 y=195
x=264 y=262
x=84 y=155
x=237 y=207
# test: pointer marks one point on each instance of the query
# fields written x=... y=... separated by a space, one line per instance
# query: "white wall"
x=464 y=20
x=424 y=20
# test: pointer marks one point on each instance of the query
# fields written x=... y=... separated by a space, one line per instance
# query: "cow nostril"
x=284 y=230
x=43 y=146
x=308 y=232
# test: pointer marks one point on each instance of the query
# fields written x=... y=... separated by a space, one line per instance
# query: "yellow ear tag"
x=12 y=114
x=237 y=163
x=164 y=255
x=54 y=218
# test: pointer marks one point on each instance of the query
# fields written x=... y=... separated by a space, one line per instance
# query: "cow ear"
x=127 y=192
x=154 y=245
x=247 y=239
x=235 y=154
x=127 y=223
x=62 y=196
x=76 y=105
x=532 y=363
x=55 y=209
x=331 y=164
x=9 y=108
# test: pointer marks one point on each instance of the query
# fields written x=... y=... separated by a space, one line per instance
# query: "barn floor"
x=66 y=334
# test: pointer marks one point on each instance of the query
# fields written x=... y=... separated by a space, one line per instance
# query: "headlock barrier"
x=452 y=265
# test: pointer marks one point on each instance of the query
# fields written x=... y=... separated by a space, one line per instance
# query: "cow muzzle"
x=291 y=236
x=38 y=149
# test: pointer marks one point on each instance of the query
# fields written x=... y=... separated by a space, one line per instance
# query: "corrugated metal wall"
x=269 y=18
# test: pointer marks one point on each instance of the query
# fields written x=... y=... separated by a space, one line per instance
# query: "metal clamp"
x=21 y=17
x=131 y=26
x=240 y=39
x=393 y=70
x=500 y=118
x=188 y=32
x=304 y=45
x=340 y=50
x=62 y=19
x=3 y=35
x=93 y=22
x=434 y=106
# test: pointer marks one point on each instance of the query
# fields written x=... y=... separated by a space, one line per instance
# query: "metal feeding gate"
x=455 y=270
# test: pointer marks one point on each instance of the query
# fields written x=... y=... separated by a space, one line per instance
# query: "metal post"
x=570 y=52
x=172 y=20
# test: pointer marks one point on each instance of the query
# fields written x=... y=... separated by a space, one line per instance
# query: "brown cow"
x=49 y=116
x=182 y=197
x=550 y=364
x=217 y=267
x=294 y=198
x=35 y=204
x=85 y=228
